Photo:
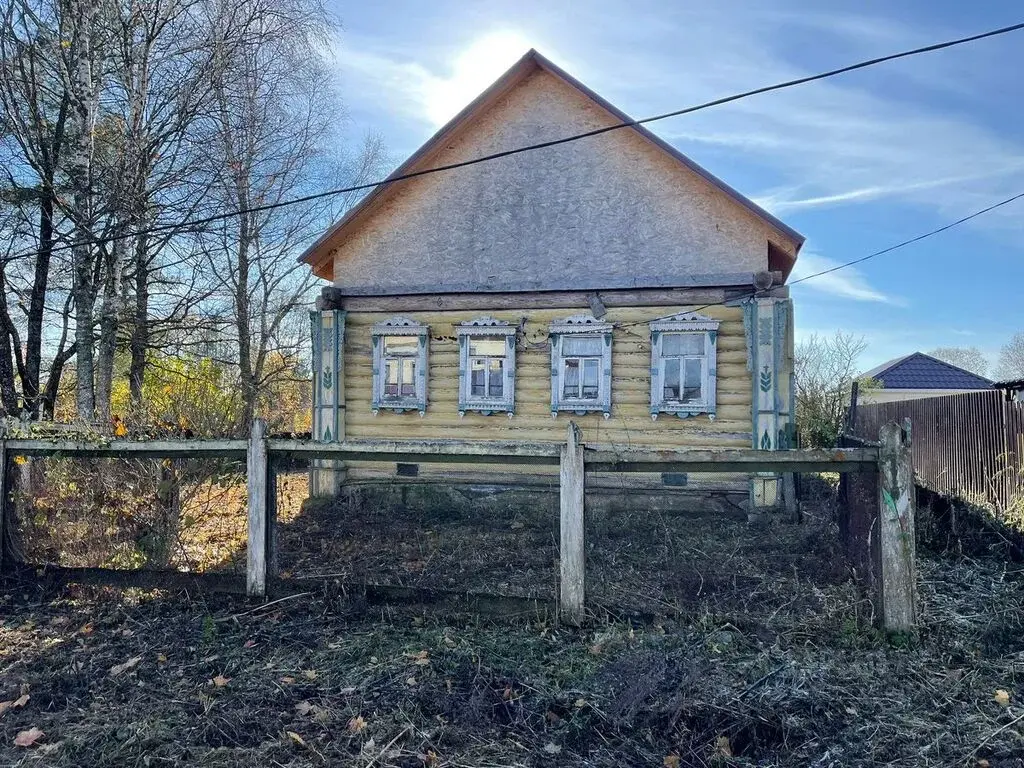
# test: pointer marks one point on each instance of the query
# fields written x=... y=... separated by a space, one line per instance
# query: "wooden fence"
x=887 y=461
x=969 y=445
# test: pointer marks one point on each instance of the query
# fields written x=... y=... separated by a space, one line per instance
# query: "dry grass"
x=767 y=659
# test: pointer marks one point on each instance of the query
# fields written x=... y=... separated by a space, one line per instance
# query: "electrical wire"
x=192 y=223
x=844 y=265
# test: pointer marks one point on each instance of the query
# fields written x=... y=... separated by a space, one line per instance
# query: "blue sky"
x=856 y=163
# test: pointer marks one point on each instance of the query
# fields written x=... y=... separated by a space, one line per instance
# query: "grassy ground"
x=764 y=655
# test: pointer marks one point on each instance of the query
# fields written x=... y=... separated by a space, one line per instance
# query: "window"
x=581 y=366
x=683 y=371
x=487 y=356
x=400 y=366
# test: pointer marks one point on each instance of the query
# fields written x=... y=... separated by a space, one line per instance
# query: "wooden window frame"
x=487 y=328
x=686 y=323
x=581 y=326
x=400 y=326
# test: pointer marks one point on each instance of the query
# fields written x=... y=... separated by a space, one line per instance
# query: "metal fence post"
x=256 y=482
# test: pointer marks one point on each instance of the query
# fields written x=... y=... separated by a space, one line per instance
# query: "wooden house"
x=609 y=280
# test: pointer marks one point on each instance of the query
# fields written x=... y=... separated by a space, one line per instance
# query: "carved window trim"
x=487 y=327
x=581 y=326
x=688 y=323
x=400 y=326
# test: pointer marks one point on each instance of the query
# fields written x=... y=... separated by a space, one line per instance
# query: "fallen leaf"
x=595 y=650
x=287 y=680
x=296 y=738
x=552 y=749
x=309 y=674
x=1002 y=698
x=449 y=641
x=580 y=703
x=220 y=681
x=28 y=738
x=21 y=701
x=982 y=763
x=671 y=761
x=356 y=724
x=304 y=707
x=851 y=711
x=46 y=749
x=161 y=658
x=85 y=629
x=249 y=644
x=722 y=747
x=117 y=669
x=411 y=681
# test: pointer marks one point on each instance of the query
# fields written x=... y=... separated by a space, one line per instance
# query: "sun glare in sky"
x=472 y=71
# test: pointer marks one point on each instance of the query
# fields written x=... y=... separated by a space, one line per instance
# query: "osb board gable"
x=608 y=211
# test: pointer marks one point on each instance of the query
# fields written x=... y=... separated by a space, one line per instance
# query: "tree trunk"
x=84 y=90
x=37 y=302
x=139 y=341
x=110 y=316
x=8 y=394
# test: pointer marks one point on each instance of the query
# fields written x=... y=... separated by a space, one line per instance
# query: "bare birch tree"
x=274 y=120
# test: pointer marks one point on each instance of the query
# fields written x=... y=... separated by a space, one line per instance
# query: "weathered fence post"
x=256 y=472
x=896 y=501
x=572 y=555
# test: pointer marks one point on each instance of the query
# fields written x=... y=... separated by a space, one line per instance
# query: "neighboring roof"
x=529 y=63
x=1010 y=384
x=921 y=371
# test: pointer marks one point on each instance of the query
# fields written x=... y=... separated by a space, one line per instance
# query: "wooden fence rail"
x=573 y=457
x=969 y=445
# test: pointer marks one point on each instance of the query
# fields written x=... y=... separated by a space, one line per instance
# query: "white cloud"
x=858 y=138
x=847 y=283
x=423 y=94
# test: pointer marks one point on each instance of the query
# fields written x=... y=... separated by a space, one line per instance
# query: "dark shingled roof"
x=921 y=371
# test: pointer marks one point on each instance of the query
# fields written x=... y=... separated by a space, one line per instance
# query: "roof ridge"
x=953 y=366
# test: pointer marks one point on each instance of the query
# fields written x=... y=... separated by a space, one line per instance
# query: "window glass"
x=582 y=345
x=591 y=372
x=571 y=379
x=477 y=379
x=486 y=347
x=672 y=379
x=692 y=380
x=399 y=378
x=682 y=344
x=496 y=379
x=401 y=345
x=391 y=376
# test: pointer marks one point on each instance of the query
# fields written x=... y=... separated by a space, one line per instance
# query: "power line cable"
x=191 y=223
x=852 y=262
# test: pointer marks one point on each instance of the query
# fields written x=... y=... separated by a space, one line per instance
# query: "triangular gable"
x=319 y=254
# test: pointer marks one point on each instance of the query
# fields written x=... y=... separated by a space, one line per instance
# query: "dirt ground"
x=658 y=563
x=764 y=655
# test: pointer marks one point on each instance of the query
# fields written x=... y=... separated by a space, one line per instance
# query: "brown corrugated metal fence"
x=969 y=445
